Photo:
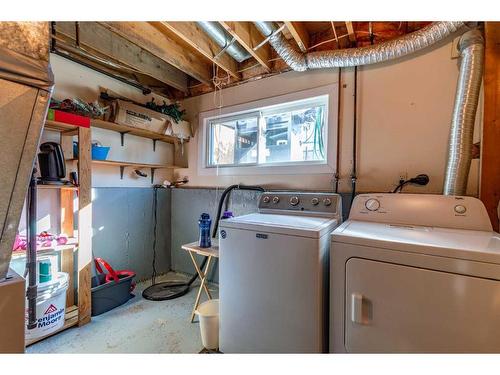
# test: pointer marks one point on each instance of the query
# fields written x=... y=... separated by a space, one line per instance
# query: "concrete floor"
x=138 y=326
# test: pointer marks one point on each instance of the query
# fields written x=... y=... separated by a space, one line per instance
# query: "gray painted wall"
x=122 y=223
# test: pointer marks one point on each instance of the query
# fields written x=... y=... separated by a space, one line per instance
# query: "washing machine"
x=415 y=273
x=273 y=274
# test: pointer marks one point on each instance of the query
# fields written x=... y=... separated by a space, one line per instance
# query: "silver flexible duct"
x=471 y=46
x=467 y=95
x=223 y=39
x=373 y=54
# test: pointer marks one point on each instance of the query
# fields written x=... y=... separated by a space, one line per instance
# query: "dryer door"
x=396 y=308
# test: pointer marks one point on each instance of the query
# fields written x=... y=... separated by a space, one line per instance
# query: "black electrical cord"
x=421 y=179
x=336 y=176
x=354 y=137
x=155 y=223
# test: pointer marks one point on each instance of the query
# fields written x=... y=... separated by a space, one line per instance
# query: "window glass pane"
x=296 y=135
x=222 y=143
x=246 y=141
x=233 y=142
x=277 y=137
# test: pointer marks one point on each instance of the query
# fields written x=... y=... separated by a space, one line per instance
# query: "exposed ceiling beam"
x=249 y=37
x=299 y=33
x=98 y=38
x=192 y=34
x=148 y=35
x=350 y=31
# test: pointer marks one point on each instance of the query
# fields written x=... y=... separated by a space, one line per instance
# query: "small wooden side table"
x=209 y=252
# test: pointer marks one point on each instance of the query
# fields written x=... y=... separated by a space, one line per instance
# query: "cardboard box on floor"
x=130 y=114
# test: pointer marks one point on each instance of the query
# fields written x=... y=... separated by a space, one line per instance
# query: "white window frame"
x=327 y=166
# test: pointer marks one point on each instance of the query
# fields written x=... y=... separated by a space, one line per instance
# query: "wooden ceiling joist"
x=350 y=31
x=194 y=36
x=150 y=37
x=299 y=34
x=95 y=37
x=249 y=37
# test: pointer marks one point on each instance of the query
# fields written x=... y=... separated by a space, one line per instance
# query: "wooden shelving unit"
x=76 y=256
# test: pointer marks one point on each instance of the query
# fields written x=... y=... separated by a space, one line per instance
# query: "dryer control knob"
x=327 y=201
x=315 y=201
x=276 y=199
x=266 y=199
x=294 y=200
x=459 y=209
x=372 y=204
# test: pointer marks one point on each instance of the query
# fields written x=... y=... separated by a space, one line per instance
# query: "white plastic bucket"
x=208 y=314
x=50 y=306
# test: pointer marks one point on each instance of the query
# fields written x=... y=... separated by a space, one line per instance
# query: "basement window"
x=274 y=138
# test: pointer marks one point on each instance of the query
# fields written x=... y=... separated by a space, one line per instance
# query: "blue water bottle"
x=205 y=223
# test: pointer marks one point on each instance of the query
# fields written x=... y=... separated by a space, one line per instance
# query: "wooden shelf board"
x=61 y=187
x=70 y=320
x=134 y=131
x=131 y=164
x=60 y=126
x=71 y=245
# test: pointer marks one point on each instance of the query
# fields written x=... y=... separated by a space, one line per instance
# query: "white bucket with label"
x=50 y=306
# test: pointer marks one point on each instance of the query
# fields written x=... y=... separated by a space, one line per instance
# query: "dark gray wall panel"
x=187 y=205
x=122 y=221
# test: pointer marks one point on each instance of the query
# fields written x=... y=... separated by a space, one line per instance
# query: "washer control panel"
x=318 y=203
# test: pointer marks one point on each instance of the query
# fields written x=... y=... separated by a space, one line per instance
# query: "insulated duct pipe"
x=373 y=54
x=471 y=46
x=224 y=40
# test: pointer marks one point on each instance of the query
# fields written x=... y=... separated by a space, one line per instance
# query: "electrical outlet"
x=403 y=176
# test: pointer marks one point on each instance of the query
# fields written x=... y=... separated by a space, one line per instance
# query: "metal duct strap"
x=224 y=40
x=471 y=46
x=373 y=54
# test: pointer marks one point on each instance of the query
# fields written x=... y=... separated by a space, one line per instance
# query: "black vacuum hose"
x=218 y=216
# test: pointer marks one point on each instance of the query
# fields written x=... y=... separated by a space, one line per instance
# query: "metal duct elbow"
x=224 y=40
x=350 y=57
x=471 y=46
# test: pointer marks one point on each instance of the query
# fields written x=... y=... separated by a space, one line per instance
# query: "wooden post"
x=84 y=225
x=490 y=145
x=67 y=255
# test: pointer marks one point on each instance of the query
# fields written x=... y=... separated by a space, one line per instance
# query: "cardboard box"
x=129 y=114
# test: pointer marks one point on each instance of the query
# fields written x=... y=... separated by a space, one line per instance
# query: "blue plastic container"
x=99 y=152
x=205 y=223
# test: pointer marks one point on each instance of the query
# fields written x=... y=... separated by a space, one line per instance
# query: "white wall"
x=404 y=114
x=75 y=80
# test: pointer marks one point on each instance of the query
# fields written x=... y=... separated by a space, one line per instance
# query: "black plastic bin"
x=107 y=296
